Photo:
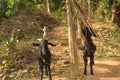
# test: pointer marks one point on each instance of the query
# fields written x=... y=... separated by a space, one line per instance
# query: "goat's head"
x=43 y=44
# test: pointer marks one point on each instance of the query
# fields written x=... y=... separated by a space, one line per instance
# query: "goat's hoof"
x=85 y=73
x=92 y=63
x=92 y=73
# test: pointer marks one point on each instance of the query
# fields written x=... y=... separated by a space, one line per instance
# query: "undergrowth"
x=108 y=45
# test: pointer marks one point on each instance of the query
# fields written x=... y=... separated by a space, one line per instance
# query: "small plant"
x=6 y=51
x=116 y=34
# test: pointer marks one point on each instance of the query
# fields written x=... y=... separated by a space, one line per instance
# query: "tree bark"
x=72 y=43
x=79 y=30
x=48 y=6
x=113 y=13
x=89 y=10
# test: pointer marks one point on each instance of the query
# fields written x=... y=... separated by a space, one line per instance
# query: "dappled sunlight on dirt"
x=106 y=69
x=102 y=69
x=109 y=62
x=110 y=78
x=58 y=78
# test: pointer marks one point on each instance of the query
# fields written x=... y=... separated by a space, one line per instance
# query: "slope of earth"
x=106 y=68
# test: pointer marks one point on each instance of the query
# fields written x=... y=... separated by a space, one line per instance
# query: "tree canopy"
x=102 y=7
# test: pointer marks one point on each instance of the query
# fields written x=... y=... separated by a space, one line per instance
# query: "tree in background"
x=48 y=6
x=89 y=10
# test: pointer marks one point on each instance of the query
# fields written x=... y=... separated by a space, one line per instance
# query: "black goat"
x=89 y=48
x=44 y=57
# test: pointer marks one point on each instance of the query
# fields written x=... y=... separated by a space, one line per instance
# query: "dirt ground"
x=104 y=69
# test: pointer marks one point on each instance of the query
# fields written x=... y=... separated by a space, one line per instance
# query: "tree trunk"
x=48 y=6
x=89 y=10
x=79 y=30
x=113 y=13
x=72 y=44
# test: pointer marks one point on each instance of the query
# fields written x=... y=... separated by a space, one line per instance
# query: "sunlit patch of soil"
x=106 y=69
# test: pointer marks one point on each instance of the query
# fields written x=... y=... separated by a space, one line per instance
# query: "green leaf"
x=1 y=67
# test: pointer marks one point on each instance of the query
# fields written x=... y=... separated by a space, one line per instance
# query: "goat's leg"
x=85 y=66
x=92 y=60
x=41 y=71
x=85 y=56
x=92 y=54
x=46 y=70
x=91 y=70
x=49 y=72
x=91 y=65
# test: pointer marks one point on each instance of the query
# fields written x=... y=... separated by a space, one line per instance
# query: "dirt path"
x=106 y=69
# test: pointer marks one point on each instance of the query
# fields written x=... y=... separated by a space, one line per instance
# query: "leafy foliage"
x=6 y=50
x=10 y=7
x=3 y=6
x=104 y=7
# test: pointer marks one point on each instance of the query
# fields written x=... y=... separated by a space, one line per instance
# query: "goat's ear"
x=51 y=44
x=36 y=44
